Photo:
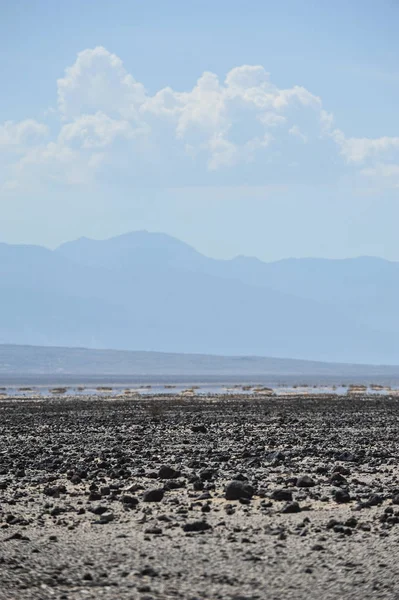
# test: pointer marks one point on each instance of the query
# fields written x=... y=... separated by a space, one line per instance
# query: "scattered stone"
x=282 y=495
x=153 y=530
x=196 y=526
x=276 y=456
x=106 y=518
x=108 y=453
x=237 y=490
x=291 y=507
x=54 y=491
x=338 y=479
x=199 y=429
x=167 y=472
x=154 y=495
x=341 y=496
x=99 y=509
x=375 y=500
x=346 y=456
x=304 y=481
x=129 y=500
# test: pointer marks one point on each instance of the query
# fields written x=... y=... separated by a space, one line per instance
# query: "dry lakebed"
x=217 y=497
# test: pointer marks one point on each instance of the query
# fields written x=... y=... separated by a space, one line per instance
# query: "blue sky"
x=258 y=128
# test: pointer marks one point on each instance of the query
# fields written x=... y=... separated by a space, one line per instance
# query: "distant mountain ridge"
x=149 y=291
x=18 y=360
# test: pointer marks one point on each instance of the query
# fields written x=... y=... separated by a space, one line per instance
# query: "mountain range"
x=151 y=292
x=39 y=364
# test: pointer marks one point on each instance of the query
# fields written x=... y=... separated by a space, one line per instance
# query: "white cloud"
x=203 y=108
x=248 y=77
x=270 y=119
x=98 y=81
x=295 y=131
x=357 y=150
x=354 y=149
x=95 y=131
x=22 y=134
x=56 y=163
x=385 y=174
x=223 y=153
x=386 y=170
x=106 y=116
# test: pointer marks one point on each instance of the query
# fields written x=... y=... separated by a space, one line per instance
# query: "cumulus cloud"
x=98 y=81
x=218 y=125
x=95 y=131
x=295 y=130
x=22 y=134
x=54 y=163
x=357 y=150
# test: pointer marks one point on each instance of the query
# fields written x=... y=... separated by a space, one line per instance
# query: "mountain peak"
x=149 y=290
x=124 y=248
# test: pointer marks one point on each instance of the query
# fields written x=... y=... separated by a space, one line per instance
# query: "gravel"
x=199 y=498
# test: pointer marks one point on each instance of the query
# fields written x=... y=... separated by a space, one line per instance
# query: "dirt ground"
x=199 y=498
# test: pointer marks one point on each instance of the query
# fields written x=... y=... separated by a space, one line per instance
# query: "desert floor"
x=132 y=499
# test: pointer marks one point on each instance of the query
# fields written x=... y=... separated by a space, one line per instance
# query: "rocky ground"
x=199 y=498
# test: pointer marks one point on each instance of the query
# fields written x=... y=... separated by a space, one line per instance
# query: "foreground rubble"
x=219 y=497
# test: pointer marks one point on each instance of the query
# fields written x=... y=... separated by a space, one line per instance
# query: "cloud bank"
x=107 y=124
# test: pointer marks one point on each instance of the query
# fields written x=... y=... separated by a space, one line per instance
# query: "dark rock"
x=305 y=481
x=338 y=479
x=341 y=469
x=54 y=491
x=173 y=484
x=204 y=496
x=167 y=472
x=240 y=477
x=276 y=456
x=346 y=456
x=94 y=496
x=341 y=496
x=106 y=518
x=154 y=495
x=207 y=474
x=99 y=510
x=18 y=536
x=291 y=507
x=148 y=572
x=236 y=490
x=199 y=429
x=282 y=495
x=374 y=500
x=154 y=530
x=129 y=500
x=351 y=522
x=196 y=526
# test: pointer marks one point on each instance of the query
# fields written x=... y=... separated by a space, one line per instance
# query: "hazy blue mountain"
x=61 y=362
x=365 y=289
x=136 y=250
x=144 y=291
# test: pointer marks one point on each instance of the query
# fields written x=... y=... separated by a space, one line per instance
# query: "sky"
x=268 y=129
